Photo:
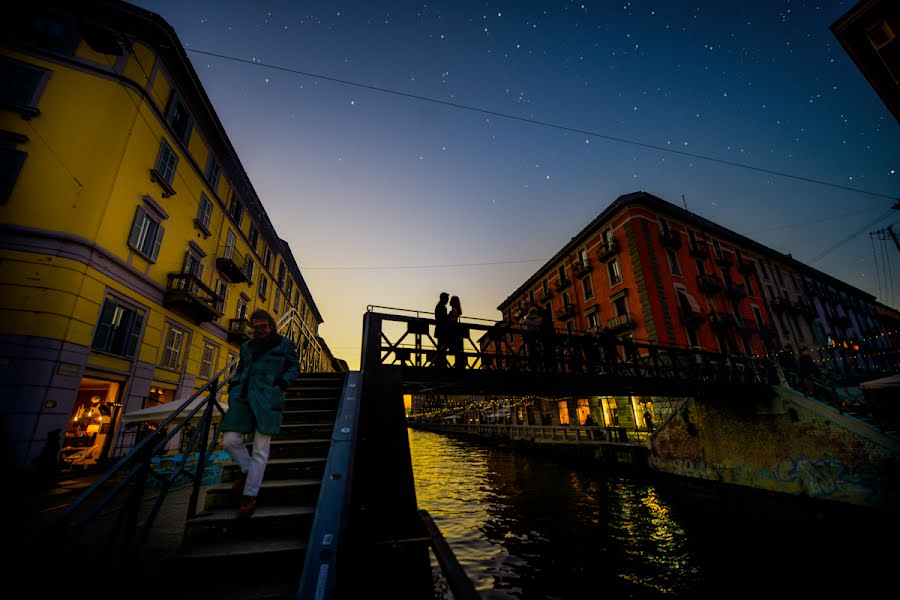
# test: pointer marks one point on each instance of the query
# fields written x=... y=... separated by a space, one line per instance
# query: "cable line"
x=537 y=122
x=850 y=237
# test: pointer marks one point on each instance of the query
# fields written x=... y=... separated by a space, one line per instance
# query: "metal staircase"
x=262 y=557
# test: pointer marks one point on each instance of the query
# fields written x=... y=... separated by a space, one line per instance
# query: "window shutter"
x=136 y=225
x=157 y=243
x=135 y=334
x=104 y=325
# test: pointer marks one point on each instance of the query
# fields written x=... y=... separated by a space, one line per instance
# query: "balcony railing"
x=720 y=320
x=621 y=322
x=562 y=284
x=582 y=267
x=780 y=304
x=737 y=291
x=238 y=331
x=607 y=249
x=670 y=239
x=230 y=264
x=699 y=249
x=690 y=318
x=709 y=284
x=566 y=312
x=188 y=296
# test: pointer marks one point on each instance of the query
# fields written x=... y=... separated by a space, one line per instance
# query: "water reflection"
x=524 y=527
x=530 y=527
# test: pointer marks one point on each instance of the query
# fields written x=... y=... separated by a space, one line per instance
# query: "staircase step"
x=283 y=468
x=309 y=416
x=308 y=448
x=223 y=524
x=294 y=431
x=290 y=492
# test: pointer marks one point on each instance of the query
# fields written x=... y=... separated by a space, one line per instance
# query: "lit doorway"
x=91 y=422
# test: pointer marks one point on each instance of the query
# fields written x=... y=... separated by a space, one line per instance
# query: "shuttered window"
x=118 y=329
x=146 y=234
x=172 y=350
x=166 y=162
x=205 y=211
x=208 y=360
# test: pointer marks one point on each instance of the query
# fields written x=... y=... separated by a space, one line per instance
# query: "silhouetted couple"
x=448 y=332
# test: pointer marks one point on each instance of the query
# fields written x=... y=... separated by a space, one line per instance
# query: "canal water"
x=529 y=526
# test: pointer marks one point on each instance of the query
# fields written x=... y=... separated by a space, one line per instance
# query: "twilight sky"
x=388 y=200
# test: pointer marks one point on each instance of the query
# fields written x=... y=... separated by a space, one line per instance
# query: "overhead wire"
x=840 y=243
x=494 y=113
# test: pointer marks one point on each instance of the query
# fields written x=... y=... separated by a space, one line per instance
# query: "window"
x=230 y=242
x=204 y=213
x=11 y=161
x=222 y=293
x=166 y=163
x=701 y=268
x=297 y=296
x=118 y=329
x=267 y=258
x=765 y=270
x=172 y=348
x=620 y=305
x=778 y=278
x=276 y=304
x=242 y=303
x=146 y=234
x=565 y=300
x=55 y=33
x=615 y=276
x=248 y=268
x=562 y=274
x=583 y=257
x=22 y=86
x=588 y=288
x=593 y=320
x=236 y=209
x=545 y=285
x=253 y=236
x=179 y=118
x=193 y=264
x=208 y=359
x=289 y=290
x=281 y=273
x=608 y=236
x=717 y=249
x=674 y=265
x=664 y=225
x=263 y=287
x=213 y=171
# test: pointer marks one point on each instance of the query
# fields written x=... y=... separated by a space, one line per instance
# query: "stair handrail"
x=134 y=469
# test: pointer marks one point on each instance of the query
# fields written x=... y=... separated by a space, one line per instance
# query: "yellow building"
x=133 y=245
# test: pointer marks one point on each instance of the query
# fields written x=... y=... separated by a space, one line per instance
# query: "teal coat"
x=264 y=400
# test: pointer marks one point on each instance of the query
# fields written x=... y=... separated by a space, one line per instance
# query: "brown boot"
x=248 y=506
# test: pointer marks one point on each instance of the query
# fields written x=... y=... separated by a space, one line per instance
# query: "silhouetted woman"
x=456 y=333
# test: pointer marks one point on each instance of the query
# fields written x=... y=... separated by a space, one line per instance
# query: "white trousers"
x=254 y=465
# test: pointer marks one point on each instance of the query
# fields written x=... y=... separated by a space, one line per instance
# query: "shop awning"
x=893 y=381
x=161 y=412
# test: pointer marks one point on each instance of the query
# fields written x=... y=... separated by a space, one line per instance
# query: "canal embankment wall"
x=785 y=443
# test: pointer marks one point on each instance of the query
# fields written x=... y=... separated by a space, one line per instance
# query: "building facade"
x=133 y=244
x=651 y=271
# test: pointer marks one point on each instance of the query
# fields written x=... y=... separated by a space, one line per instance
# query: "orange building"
x=651 y=271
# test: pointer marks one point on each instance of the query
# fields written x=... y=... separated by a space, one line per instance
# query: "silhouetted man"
x=441 y=330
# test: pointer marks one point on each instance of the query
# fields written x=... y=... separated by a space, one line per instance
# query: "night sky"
x=388 y=200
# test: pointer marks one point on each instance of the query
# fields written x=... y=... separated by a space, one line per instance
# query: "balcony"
x=566 y=312
x=238 y=331
x=709 y=284
x=230 y=264
x=804 y=307
x=720 y=320
x=607 y=249
x=562 y=284
x=736 y=291
x=622 y=322
x=780 y=304
x=689 y=318
x=190 y=297
x=746 y=268
x=699 y=249
x=544 y=296
x=582 y=268
x=671 y=239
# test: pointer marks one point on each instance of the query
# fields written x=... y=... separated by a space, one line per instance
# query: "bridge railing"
x=407 y=338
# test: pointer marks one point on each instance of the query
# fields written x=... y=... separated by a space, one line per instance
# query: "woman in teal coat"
x=268 y=365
